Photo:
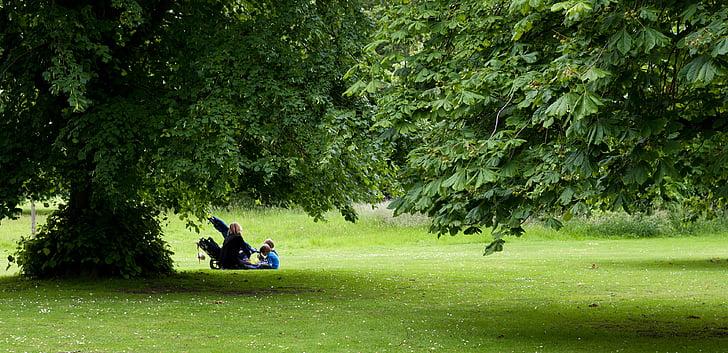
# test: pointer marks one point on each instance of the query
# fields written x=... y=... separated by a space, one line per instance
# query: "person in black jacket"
x=232 y=247
x=246 y=249
x=230 y=252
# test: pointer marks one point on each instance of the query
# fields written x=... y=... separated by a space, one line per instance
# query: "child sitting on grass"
x=270 y=243
x=271 y=260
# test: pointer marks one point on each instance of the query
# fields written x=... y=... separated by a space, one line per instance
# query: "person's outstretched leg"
x=219 y=225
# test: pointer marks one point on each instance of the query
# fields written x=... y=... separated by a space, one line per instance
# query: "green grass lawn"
x=385 y=285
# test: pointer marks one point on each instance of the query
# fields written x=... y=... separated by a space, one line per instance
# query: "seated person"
x=270 y=243
x=231 y=249
x=246 y=249
x=271 y=261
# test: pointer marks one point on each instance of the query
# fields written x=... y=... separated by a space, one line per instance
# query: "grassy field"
x=385 y=285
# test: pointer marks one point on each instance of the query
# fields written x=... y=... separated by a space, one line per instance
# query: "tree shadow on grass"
x=567 y=328
x=485 y=323
x=707 y=264
x=219 y=282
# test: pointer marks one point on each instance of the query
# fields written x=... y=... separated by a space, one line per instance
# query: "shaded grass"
x=521 y=302
x=379 y=286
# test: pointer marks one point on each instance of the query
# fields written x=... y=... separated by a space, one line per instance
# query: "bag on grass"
x=210 y=247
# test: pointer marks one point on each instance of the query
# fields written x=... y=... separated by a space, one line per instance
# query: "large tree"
x=548 y=109
x=128 y=108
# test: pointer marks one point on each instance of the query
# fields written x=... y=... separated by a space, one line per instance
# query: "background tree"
x=548 y=109
x=133 y=108
x=301 y=140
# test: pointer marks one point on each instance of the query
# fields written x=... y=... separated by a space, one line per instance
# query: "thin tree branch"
x=497 y=116
x=7 y=67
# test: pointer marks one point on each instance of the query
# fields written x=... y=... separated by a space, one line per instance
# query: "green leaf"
x=688 y=15
x=637 y=174
x=495 y=246
x=579 y=11
x=484 y=176
x=433 y=187
x=560 y=6
x=472 y=230
x=671 y=146
x=622 y=41
x=720 y=48
x=356 y=88
x=522 y=6
x=566 y=196
x=594 y=73
x=424 y=75
x=567 y=216
x=553 y=223
x=548 y=122
x=442 y=103
x=470 y=98
x=372 y=47
x=579 y=209
x=648 y=13
x=650 y=38
x=423 y=202
x=587 y=104
x=521 y=27
x=517 y=231
x=510 y=169
x=373 y=86
x=579 y=161
x=665 y=169
x=530 y=58
x=563 y=105
x=700 y=71
x=456 y=181
x=521 y=214
x=461 y=183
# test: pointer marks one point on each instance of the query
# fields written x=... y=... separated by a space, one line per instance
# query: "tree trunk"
x=32 y=217
x=79 y=199
x=91 y=236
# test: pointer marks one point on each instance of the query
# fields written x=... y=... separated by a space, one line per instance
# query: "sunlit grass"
x=386 y=285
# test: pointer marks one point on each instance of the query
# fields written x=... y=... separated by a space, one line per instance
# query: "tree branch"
x=497 y=116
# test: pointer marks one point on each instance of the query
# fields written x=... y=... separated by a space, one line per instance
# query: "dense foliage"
x=301 y=141
x=99 y=242
x=159 y=105
x=548 y=109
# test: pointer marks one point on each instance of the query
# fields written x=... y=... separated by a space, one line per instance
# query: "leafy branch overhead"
x=538 y=109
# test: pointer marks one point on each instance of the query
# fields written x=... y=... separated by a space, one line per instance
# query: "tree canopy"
x=124 y=105
x=548 y=109
x=500 y=111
